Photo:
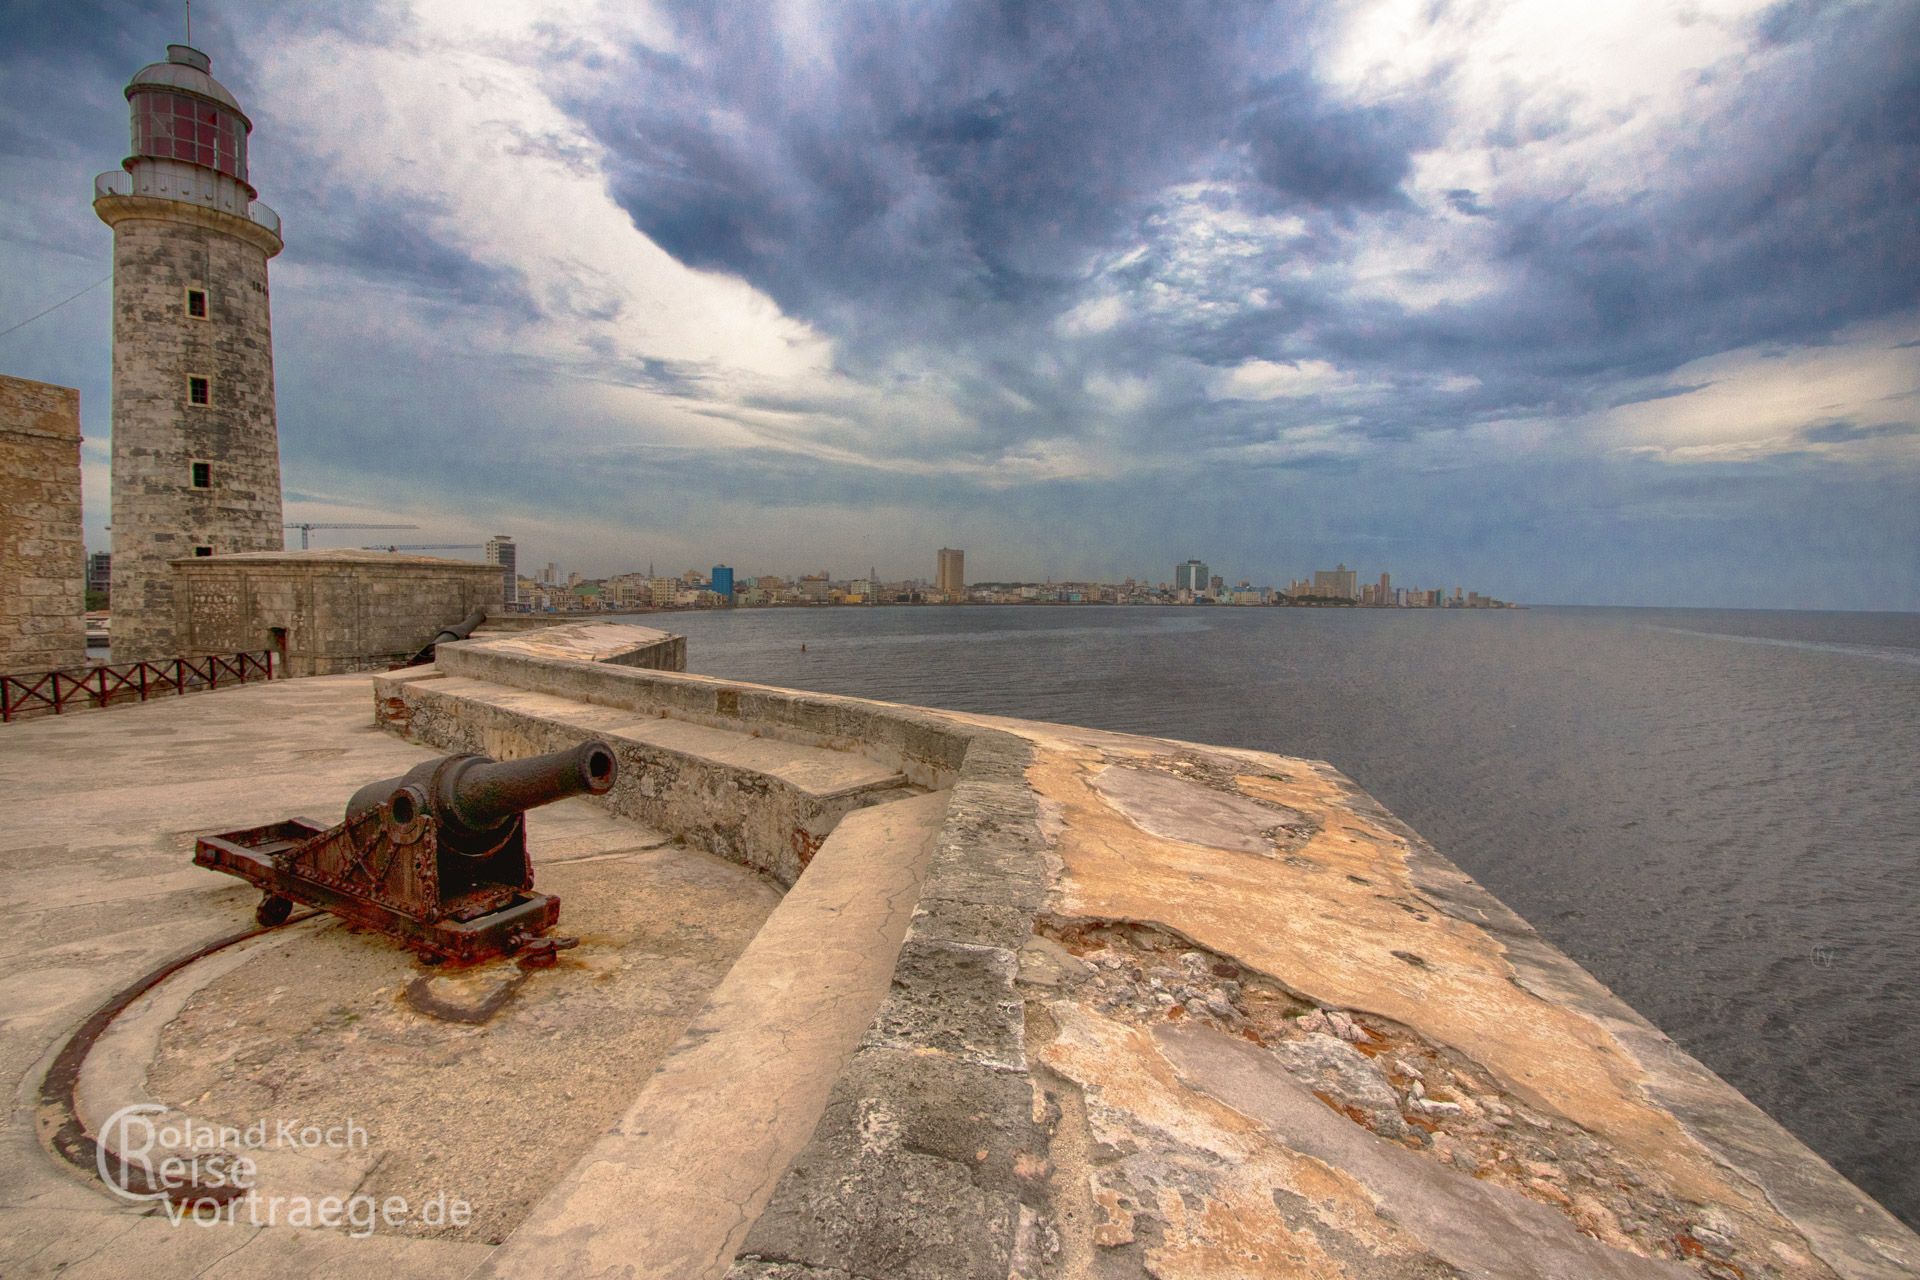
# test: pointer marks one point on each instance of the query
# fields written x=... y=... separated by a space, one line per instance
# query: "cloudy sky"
x=1610 y=303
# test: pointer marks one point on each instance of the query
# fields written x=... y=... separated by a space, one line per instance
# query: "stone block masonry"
x=162 y=509
x=323 y=612
x=41 y=600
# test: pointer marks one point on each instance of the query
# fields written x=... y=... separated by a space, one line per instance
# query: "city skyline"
x=555 y=589
x=1375 y=284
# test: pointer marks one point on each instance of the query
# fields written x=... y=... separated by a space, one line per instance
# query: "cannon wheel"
x=273 y=910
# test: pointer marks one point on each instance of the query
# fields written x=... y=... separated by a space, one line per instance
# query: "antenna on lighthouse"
x=189 y=21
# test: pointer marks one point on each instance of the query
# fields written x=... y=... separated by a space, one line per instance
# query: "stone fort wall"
x=324 y=612
x=41 y=546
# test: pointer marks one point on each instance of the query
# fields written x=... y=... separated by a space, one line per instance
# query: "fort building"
x=323 y=612
x=196 y=455
x=42 y=555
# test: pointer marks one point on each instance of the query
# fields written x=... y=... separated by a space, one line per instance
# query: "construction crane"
x=306 y=527
x=430 y=546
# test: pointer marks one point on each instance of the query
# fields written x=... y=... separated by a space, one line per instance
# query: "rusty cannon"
x=436 y=857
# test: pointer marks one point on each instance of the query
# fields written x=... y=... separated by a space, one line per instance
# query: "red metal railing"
x=55 y=691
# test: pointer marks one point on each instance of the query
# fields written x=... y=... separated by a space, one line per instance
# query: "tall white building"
x=500 y=551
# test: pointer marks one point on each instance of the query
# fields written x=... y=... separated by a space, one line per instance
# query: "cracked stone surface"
x=1324 y=1064
x=1164 y=803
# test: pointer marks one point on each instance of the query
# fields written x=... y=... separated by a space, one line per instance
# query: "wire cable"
x=56 y=306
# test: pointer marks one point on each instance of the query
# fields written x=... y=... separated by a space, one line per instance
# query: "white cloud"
x=1755 y=400
x=463 y=125
x=1095 y=315
x=1270 y=380
x=1122 y=393
x=1550 y=99
x=1422 y=264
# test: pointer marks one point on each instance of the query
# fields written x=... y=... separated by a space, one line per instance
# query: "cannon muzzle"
x=473 y=798
x=461 y=629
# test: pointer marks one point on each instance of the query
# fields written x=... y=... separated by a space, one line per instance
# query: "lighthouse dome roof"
x=185 y=68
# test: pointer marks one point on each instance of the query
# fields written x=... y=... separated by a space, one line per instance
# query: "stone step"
x=759 y=800
x=814 y=770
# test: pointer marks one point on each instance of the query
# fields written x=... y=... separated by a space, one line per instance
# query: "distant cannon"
x=436 y=857
x=460 y=630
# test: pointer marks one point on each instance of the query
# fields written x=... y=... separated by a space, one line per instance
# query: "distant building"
x=626 y=590
x=1191 y=576
x=951 y=580
x=1337 y=583
x=500 y=551
x=100 y=574
x=722 y=583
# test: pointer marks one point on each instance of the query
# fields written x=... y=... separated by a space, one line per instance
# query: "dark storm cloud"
x=1848 y=432
x=1664 y=393
x=968 y=157
x=1792 y=20
x=951 y=179
x=1794 y=213
x=395 y=241
x=113 y=36
x=1324 y=154
x=1467 y=201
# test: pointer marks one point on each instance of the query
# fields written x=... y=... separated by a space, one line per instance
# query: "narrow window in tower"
x=203 y=475
x=203 y=551
x=199 y=390
x=197 y=304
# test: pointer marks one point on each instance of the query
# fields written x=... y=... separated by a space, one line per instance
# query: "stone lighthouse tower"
x=196 y=455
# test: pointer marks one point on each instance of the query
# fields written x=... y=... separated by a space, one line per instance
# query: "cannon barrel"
x=472 y=796
x=461 y=629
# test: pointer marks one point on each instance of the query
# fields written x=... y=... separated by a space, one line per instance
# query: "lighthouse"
x=196 y=452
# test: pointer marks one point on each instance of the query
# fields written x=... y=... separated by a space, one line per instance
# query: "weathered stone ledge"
x=1105 y=917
